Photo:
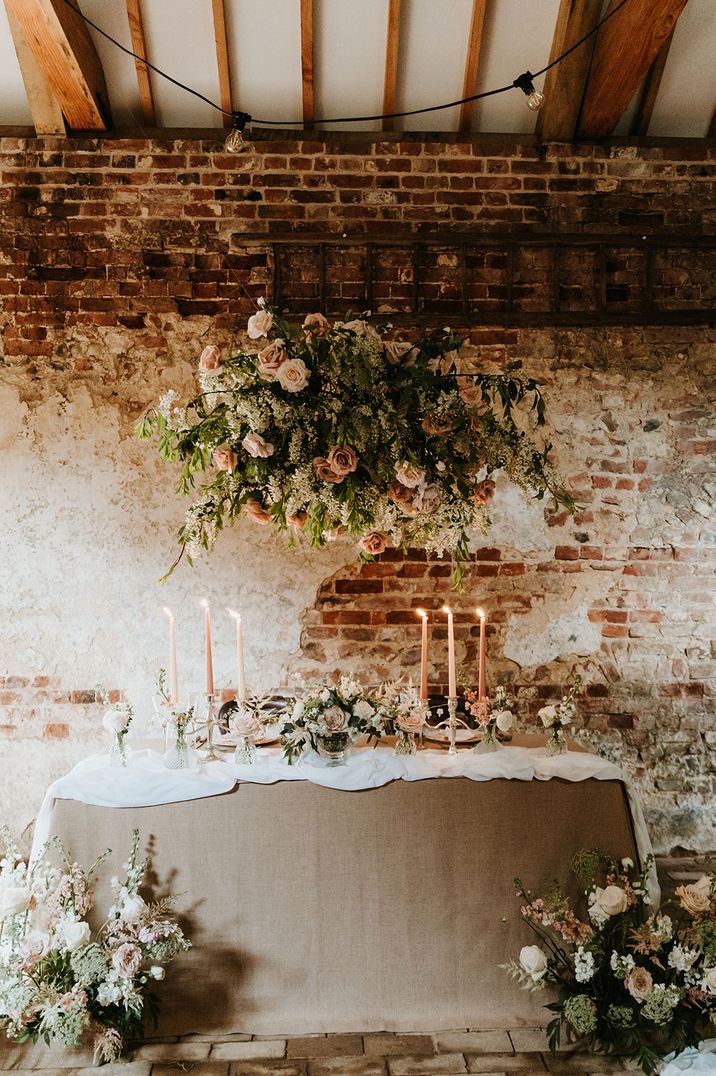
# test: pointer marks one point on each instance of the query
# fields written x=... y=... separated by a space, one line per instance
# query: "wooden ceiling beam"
x=472 y=63
x=64 y=51
x=46 y=113
x=309 y=113
x=564 y=84
x=392 y=47
x=625 y=49
x=645 y=109
x=221 y=42
x=139 y=45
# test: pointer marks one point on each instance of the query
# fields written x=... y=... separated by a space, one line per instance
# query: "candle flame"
x=232 y=612
x=421 y=612
x=480 y=613
x=447 y=609
x=168 y=612
x=204 y=602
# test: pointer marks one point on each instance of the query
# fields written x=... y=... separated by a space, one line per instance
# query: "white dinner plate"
x=443 y=736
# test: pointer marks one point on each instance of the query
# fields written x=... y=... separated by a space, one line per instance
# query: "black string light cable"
x=235 y=141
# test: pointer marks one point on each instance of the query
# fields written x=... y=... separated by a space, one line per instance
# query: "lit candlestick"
x=423 y=655
x=452 y=683
x=207 y=640
x=482 y=663
x=240 y=676
x=173 y=681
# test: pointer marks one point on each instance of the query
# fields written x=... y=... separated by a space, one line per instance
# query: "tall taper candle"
x=173 y=681
x=452 y=681
x=240 y=675
x=482 y=667
x=209 y=657
x=423 y=655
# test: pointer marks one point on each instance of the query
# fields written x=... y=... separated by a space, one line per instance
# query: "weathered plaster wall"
x=117 y=262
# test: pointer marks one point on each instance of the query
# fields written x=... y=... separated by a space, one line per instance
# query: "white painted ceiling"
x=264 y=47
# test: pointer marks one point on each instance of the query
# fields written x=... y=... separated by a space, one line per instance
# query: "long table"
x=313 y=909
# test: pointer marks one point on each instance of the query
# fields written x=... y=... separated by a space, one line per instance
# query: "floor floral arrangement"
x=335 y=428
x=59 y=980
x=631 y=981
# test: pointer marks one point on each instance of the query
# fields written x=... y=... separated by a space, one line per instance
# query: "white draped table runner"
x=145 y=782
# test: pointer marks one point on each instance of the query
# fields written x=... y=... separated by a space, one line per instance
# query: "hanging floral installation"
x=338 y=429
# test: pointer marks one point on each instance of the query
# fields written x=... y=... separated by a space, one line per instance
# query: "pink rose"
x=484 y=491
x=399 y=493
x=409 y=475
x=316 y=325
x=293 y=375
x=342 y=460
x=427 y=499
x=335 y=720
x=127 y=960
x=412 y=721
x=225 y=459
x=639 y=983
x=298 y=519
x=373 y=542
x=257 y=447
x=244 y=723
x=271 y=358
x=395 y=350
x=256 y=511
x=259 y=324
x=325 y=472
x=210 y=359
x=334 y=533
x=361 y=328
x=437 y=427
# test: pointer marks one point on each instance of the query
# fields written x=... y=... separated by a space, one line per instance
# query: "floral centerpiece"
x=117 y=719
x=404 y=714
x=246 y=724
x=59 y=981
x=631 y=981
x=555 y=716
x=492 y=714
x=177 y=722
x=337 y=429
x=329 y=719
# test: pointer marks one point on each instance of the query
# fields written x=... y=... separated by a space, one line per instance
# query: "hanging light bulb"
x=535 y=99
x=235 y=141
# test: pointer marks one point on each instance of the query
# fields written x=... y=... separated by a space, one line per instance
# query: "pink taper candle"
x=173 y=680
x=452 y=681
x=482 y=667
x=423 y=655
x=209 y=657
x=240 y=675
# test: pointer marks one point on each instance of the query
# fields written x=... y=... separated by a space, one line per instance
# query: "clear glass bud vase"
x=245 y=753
x=405 y=743
x=489 y=741
x=118 y=754
x=556 y=744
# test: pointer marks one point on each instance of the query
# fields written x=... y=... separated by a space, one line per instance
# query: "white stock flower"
x=363 y=709
x=157 y=972
x=583 y=964
x=533 y=962
x=621 y=965
x=682 y=959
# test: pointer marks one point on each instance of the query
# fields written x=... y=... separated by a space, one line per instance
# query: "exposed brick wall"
x=116 y=254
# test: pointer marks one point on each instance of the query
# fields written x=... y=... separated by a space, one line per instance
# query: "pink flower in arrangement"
x=342 y=460
x=210 y=359
x=373 y=542
x=316 y=325
x=256 y=511
x=334 y=533
x=409 y=475
x=271 y=358
x=427 y=499
x=127 y=960
x=484 y=491
x=395 y=350
x=298 y=519
x=399 y=493
x=292 y=375
x=225 y=459
x=259 y=324
x=325 y=472
x=256 y=446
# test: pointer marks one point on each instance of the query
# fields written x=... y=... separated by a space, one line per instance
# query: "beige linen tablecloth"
x=316 y=910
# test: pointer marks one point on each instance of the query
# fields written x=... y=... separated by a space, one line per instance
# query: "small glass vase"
x=489 y=741
x=333 y=748
x=118 y=754
x=556 y=744
x=179 y=755
x=405 y=743
x=245 y=753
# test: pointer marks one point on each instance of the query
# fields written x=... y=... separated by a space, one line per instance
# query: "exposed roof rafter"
x=472 y=62
x=139 y=44
x=564 y=84
x=392 y=46
x=47 y=115
x=307 y=61
x=645 y=108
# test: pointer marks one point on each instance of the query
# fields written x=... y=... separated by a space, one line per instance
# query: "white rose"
x=533 y=961
x=361 y=328
x=696 y=898
x=363 y=709
x=133 y=908
x=116 y=720
x=13 y=900
x=157 y=972
x=259 y=324
x=293 y=375
x=256 y=446
x=708 y=983
x=36 y=945
x=504 y=719
x=73 y=934
x=548 y=715
x=627 y=863
x=297 y=712
x=612 y=900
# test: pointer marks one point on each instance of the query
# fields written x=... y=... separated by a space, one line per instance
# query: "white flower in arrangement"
x=157 y=972
x=364 y=710
x=325 y=695
x=256 y=446
x=14 y=899
x=504 y=719
x=584 y=966
x=607 y=902
x=533 y=962
x=117 y=719
x=72 y=934
x=260 y=323
x=621 y=965
x=548 y=716
x=664 y=927
x=708 y=982
x=133 y=908
x=682 y=959
x=627 y=863
x=409 y=475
